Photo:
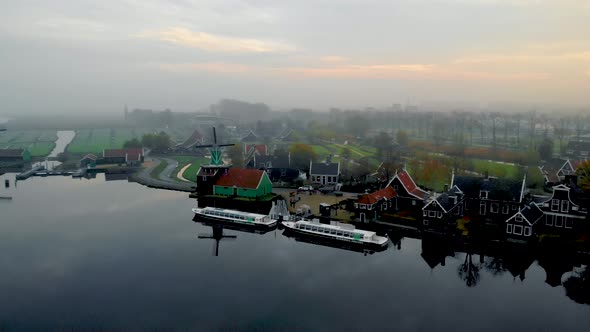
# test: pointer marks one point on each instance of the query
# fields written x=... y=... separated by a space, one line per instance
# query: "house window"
x=527 y=231
x=554 y=205
x=494 y=208
x=482 y=208
x=413 y=203
x=424 y=213
x=558 y=221
x=569 y=222
x=505 y=209
x=518 y=218
x=549 y=220
x=384 y=206
x=425 y=222
x=509 y=229
x=432 y=214
x=204 y=178
x=439 y=215
x=395 y=187
x=517 y=230
x=514 y=207
x=565 y=206
x=483 y=194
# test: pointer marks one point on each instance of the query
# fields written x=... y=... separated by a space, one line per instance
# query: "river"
x=113 y=255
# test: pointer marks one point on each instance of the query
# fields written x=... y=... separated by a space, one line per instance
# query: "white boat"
x=234 y=216
x=336 y=231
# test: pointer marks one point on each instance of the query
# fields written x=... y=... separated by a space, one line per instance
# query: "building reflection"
x=217 y=232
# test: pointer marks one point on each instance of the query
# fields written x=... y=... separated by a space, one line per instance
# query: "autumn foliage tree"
x=583 y=173
x=301 y=155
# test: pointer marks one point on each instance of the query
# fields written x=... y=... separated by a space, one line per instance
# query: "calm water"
x=81 y=254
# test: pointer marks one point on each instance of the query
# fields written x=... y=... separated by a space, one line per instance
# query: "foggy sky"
x=83 y=56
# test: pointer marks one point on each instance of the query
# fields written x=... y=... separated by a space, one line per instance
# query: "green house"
x=243 y=183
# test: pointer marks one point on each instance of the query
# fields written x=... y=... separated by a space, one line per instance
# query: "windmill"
x=215 y=149
x=217 y=235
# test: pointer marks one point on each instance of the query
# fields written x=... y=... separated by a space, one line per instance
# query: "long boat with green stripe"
x=234 y=216
x=336 y=231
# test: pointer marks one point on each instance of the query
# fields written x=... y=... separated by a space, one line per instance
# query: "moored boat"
x=234 y=216
x=336 y=231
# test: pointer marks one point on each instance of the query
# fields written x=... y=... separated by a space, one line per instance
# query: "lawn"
x=321 y=151
x=191 y=172
x=38 y=142
x=496 y=169
x=96 y=140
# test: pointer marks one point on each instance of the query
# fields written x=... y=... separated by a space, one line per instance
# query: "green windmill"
x=215 y=149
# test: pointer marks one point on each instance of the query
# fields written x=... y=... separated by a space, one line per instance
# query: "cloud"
x=333 y=58
x=525 y=58
x=213 y=67
x=215 y=43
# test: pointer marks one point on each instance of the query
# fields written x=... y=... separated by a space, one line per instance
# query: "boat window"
x=339 y=233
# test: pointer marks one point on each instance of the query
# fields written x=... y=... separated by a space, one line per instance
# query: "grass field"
x=496 y=169
x=191 y=172
x=39 y=142
x=96 y=140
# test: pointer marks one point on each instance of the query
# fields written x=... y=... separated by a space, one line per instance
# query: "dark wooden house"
x=409 y=196
x=566 y=211
x=490 y=199
x=371 y=205
x=521 y=226
x=440 y=214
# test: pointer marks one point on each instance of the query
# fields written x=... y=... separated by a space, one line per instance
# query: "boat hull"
x=242 y=224
x=333 y=242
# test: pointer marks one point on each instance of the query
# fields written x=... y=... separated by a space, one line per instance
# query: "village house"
x=490 y=199
x=15 y=155
x=550 y=169
x=251 y=137
x=129 y=157
x=371 y=205
x=243 y=183
x=521 y=226
x=566 y=211
x=578 y=149
x=252 y=153
x=195 y=139
x=409 y=196
x=568 y=168
x=441 y=212
x=324 y=174
x=278 y=169
x=88 y=161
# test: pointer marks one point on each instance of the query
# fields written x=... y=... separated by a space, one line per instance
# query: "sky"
x=97 y=56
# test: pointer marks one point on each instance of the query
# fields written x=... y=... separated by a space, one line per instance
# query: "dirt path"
x=181 y=173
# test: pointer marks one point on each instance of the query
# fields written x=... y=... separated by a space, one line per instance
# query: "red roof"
x=410 y=185
x=241 y=178
x=372 y=198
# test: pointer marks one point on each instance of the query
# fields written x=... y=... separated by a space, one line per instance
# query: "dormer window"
x=518 y=218
x=483 y=194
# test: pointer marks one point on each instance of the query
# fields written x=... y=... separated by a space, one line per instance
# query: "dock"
x=29 y=173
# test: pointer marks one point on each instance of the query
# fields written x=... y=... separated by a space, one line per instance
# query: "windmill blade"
x=214 y=136
x=203 y=146
x=229 y=237
x=220 y=145
x=216 y=249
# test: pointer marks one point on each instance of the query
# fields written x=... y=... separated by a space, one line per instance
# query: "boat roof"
x=209 y=208
x=337 y=226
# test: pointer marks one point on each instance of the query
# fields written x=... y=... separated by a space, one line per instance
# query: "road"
x=164 y=180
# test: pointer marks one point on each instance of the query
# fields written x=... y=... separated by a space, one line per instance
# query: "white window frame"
x=527 y=231
x=518 y=218
x=439 y=214
x=509 y=228
x=483 y=194
x=554 y=205
x=514 y=230
x=494 y=208
x=558 y=221
x=482 y=207
x=432 y=214
x=505 y=209
x=569 y=221
x=424 y=213
x=565 y=206
x=549 y=220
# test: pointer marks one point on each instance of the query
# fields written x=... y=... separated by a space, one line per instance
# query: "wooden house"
x=130 y=157
x=243 y=183
x=490 y=199
x=440 y=213
x=520 y=227
x=251 y=137
x=409 y=196
x=88 y=161
x=324 y=174
x=566 y=211
x=15 y=155
x=371 y=205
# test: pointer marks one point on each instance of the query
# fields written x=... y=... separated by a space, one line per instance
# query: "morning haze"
x=88 y=56
x=310 y=165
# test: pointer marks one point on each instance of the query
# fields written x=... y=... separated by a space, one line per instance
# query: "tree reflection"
x=495 y=266
x=469 y=272
x=577 y=287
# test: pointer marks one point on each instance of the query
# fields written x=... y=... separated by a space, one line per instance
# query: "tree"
x=583 y=173
x=156 y=142
x=301 y=155
x=469 y=272
x=383 y=144
x=546 y=149
x=345 y=153
x=134 y=143
x=402 y=138
x=235 y=154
